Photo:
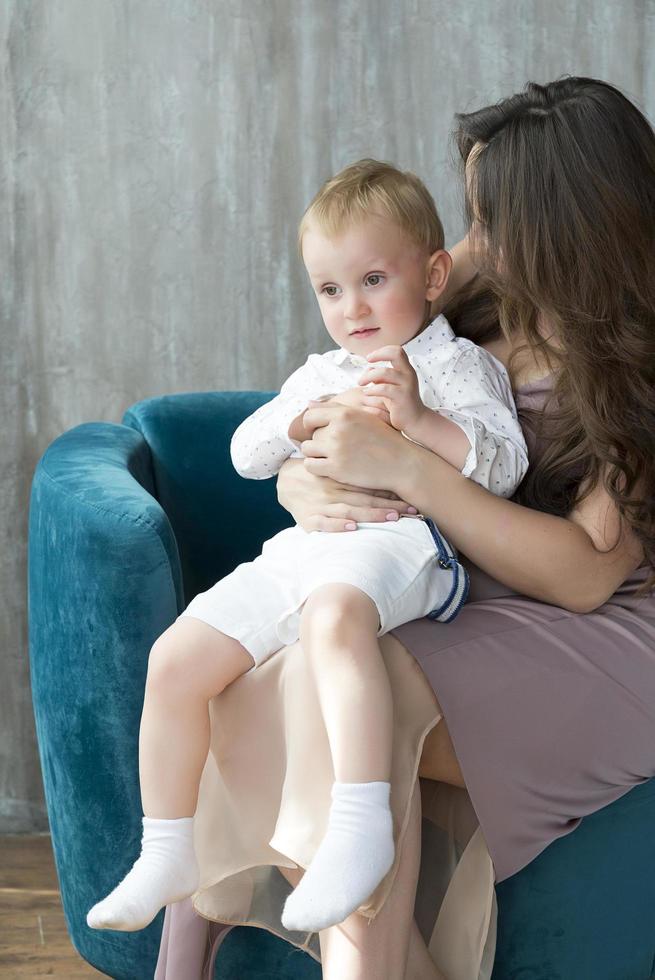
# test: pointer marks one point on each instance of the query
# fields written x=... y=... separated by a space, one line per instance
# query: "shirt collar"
x=341 y=355
x=439 y=331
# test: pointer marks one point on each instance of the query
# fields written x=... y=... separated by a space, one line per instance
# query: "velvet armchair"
x=127 y=523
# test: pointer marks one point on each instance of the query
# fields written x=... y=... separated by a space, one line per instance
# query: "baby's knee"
x=192 y=659
x=338 y=612
x=166 y=662
x=177 y=664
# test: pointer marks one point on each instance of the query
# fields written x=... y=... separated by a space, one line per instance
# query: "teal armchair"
x=127 y=523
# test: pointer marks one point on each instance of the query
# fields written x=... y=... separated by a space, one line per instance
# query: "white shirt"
x=458 y=379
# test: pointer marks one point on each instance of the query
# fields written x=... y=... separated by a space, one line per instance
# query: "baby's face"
x=371 y=283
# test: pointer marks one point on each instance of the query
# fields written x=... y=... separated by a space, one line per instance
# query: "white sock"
x=351 y=861
x=165 y=872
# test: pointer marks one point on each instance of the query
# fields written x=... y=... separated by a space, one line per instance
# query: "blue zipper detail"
x=446 y=559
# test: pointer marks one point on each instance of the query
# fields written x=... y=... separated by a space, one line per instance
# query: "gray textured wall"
x=156 y=156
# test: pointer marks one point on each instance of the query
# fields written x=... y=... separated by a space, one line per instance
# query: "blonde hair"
x=370 y=187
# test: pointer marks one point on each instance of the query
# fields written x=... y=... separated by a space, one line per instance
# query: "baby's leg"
x=189 y=664
x=338 y=632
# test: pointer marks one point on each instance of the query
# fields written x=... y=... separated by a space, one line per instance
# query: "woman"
x=561 y=199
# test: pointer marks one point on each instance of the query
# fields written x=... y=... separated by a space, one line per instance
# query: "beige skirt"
x=264 y=802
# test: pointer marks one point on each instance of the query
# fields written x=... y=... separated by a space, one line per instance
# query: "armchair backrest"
x=219 y=519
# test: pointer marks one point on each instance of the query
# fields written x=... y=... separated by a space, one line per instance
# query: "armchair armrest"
x=104 y=581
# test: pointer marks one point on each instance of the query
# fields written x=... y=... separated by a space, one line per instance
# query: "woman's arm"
x=562 y=561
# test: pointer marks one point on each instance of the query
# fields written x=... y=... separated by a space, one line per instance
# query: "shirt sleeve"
x=479 y=400
x=261 y=443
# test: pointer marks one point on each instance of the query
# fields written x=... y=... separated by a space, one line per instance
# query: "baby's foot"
x=166 y=872
x=353 y=858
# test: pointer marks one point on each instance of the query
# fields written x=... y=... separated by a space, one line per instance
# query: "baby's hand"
x=358 y=398
x=396 y=387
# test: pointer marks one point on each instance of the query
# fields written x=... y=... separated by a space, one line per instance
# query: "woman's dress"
x=552 y=716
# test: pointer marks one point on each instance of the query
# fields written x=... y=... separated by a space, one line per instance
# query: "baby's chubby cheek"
x=403 y=318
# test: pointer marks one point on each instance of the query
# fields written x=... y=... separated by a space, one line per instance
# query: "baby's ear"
x=437 y=271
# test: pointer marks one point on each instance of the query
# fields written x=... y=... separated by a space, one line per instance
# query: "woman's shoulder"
x=537 y=385
x=529 y=378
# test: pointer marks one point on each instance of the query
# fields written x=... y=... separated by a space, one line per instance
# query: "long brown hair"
x=561 y=201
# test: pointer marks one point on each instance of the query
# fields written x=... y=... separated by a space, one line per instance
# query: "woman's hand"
x=318 y=503
x=354 y=448
x=354 y=397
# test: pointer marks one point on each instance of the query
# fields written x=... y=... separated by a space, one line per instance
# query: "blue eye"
x=330 y=290
x=374 y=279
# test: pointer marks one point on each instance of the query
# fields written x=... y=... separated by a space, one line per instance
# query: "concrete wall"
x=156 y=157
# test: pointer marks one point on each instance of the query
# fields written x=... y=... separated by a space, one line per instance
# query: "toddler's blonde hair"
x=370 y=187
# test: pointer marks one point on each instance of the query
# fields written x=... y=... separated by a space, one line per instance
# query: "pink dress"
x=552 y=715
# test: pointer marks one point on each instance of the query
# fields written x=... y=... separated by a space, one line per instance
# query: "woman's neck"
x=526 y=367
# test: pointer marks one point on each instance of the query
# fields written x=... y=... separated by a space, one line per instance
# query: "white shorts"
x=406 y=567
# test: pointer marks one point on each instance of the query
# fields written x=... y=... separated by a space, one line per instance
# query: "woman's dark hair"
x=561 y=202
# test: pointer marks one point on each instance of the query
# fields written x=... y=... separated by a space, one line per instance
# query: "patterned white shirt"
x=458 y=379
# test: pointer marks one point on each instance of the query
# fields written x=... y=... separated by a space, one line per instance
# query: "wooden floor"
x=33 y=937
